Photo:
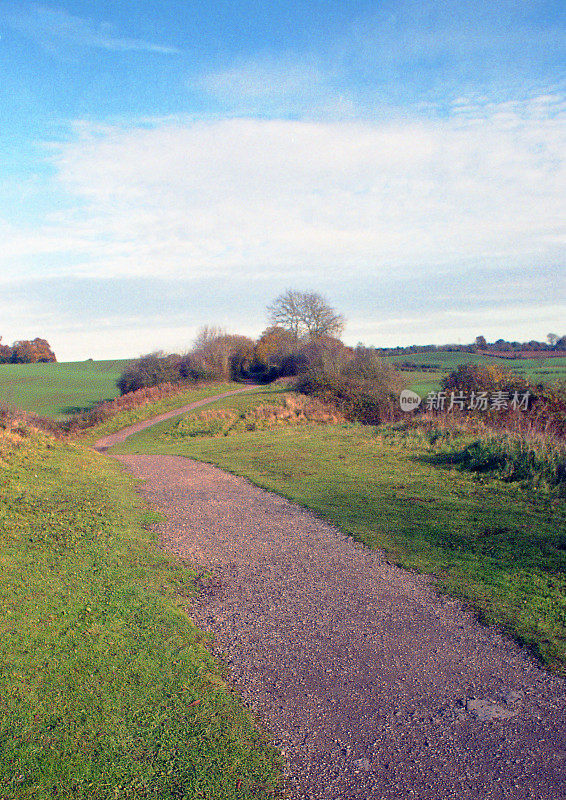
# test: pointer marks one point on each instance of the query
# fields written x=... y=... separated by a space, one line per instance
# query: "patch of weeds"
x=291 y=410
x=536 y=462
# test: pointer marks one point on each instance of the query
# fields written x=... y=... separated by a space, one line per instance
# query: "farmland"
x=56 y=390
x=437 y=364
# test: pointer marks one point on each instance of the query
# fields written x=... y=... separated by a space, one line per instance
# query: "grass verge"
x=497 y=545
x=106 y=688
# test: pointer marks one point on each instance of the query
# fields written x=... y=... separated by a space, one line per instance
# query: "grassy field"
x=107 y=689
x=56 y=390
x=538 y=370
x=495 y=544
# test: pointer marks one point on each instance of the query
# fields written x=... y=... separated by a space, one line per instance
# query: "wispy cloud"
x=278 y=85
x=347 y=205
x=406 y=51
x=208 y=197
x=51 y=26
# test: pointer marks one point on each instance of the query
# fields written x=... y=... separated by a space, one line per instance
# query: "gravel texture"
x=371 y=684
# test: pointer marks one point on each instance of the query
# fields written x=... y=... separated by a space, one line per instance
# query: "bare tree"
x=305 y=314
x=285 y=312
x=219 y=354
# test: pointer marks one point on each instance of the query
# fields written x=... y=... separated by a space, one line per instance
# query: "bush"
x=149 y=370
x=227 y=421
x=468 y=378
x=109 y=408
x=370 y=402
x=545 y=411
x=535 y=461
x=193 y=370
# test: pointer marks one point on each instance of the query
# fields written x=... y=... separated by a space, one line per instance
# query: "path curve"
x=102 y=445
x=374 y=687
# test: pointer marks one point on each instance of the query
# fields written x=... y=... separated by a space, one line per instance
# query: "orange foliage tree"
x=30 y=352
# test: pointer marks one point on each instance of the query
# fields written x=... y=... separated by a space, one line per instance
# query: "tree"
x=481 y=343
x=26 y=352
x=305 y=314
x=275 y=345
x=5 y=352
x=221 y=355
x=325 y=354
x=552 y=338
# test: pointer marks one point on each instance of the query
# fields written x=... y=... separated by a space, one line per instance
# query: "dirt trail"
x=103 y=444
x=372 y=685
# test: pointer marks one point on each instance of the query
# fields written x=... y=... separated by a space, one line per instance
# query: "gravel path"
x=372 y=685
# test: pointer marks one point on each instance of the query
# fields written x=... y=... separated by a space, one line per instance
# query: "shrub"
x=149 y=370
x=535 y=461
x=370 y=402
x=105 y=410
x=15 y=421
x=192 y=369
x=469 y=378
x=545 y=411
x=222 y=422
x=217 y=354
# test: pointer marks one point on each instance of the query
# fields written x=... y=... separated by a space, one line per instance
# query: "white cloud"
x=211 y=198
x=268 y=77
x=49 y=26
x=258 y=205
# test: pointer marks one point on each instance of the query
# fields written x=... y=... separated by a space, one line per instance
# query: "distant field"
x=549 y=370
x=55 y=390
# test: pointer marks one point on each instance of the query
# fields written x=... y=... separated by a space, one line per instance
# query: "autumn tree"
x=5 y=352
x=325 y=354
x=275 y=345
x=31 y=352
x=305 y=314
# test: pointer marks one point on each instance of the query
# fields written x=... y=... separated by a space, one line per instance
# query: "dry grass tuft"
x=292 y=410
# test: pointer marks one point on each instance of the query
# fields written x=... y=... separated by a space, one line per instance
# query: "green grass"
x=130 y=416
x=56 y=390
x=248 y=400
x=537 y=370
x=106 y=688
x=497 y=545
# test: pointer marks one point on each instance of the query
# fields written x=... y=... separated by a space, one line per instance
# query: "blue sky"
x=168 y=164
